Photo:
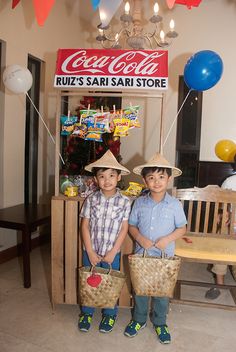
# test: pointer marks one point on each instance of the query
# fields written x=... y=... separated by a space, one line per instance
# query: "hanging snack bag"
x=87 y=116
x=79 y=130
x=115 y=114
x=121 y=127
x=95 y=131
x=131 y=113
x=67 y=124
x=103 y=117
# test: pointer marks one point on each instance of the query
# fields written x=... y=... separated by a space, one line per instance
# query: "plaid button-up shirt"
x=105 y=219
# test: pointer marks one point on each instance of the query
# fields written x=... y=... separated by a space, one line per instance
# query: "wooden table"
x=25 y=218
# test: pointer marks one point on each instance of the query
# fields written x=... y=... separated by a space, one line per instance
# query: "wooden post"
x=161 y=126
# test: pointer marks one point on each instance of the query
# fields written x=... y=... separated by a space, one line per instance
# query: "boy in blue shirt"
x=156 y=221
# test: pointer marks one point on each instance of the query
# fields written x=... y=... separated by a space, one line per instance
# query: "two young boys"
x=155 y=222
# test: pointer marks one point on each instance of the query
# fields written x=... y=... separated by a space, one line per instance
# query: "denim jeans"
x=159 y=309
x=116 y=266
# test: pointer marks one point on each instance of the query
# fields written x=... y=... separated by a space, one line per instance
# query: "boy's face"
x=107 y=180
x=157 y=182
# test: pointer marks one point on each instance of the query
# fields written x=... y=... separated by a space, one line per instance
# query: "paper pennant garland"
x=188 y=3
x=14 y=3
x=108 y=8
x=42 y=9
x=170 y=3
x=95 y=4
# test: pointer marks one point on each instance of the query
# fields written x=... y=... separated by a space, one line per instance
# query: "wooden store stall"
x=204 y=242
x=66 y=240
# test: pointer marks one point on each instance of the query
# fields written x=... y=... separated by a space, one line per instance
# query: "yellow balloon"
x=225 y=150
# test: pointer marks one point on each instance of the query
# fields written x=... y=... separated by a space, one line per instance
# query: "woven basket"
x=153 y=276
x=108 y=291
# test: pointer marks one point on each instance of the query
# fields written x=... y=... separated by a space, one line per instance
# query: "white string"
x=52 y=138
x=176 y=117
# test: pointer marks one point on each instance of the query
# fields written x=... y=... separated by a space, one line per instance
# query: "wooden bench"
x=210 y=237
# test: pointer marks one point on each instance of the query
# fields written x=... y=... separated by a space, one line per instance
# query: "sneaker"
x=107 y=323
x=84 y=322
x=163 y=333
x=133 y=328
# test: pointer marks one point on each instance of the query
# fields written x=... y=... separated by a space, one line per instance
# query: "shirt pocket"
x=166 y=216
x=116 y=213
x=144 y=216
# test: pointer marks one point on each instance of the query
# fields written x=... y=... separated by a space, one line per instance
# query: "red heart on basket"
x=94 y=280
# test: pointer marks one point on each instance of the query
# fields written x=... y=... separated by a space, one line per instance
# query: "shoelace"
x=162 y=330
x=134 y=325
x=108 y=320
x=85 y=318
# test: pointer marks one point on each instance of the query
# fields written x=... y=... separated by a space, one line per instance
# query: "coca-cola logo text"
x=129 y=62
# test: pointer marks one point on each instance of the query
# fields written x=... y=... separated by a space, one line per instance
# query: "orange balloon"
x=225 y=150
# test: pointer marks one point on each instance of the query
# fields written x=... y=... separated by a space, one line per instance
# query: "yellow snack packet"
x=121 y=127
x=134 y=189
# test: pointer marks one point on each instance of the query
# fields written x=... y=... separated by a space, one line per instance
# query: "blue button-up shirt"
x=157 y=219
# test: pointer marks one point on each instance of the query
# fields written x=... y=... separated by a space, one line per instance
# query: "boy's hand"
x=110 y=256
x=162 y=243
x=145 y=243
x=94 y=258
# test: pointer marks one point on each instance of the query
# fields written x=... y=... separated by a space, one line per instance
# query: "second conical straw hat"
x=158 y=160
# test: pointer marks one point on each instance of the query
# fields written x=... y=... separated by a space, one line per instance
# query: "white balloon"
x=17 y=79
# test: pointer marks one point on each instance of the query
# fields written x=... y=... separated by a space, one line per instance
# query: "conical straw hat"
x=108 y=161
x=158 y=160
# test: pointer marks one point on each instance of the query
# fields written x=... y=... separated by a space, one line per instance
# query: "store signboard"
x=113 y=69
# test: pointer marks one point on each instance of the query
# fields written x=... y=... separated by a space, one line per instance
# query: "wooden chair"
x=210 y=236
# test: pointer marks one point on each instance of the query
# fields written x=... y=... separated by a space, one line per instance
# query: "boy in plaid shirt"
x=104 y=226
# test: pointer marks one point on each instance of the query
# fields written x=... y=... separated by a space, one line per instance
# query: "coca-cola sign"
x=117 y=69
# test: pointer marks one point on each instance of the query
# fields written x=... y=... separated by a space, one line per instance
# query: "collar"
x=117 y=194
x=166 y=199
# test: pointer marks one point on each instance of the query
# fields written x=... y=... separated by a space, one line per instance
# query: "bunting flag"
x=42 y=9
x=188 y=3
x=108 y=8
x=170 y=3
x=95 y=4
x=14 y=3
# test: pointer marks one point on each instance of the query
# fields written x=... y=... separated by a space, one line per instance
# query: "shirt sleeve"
x=86 y=207
x=133 y=219
x=180 y=218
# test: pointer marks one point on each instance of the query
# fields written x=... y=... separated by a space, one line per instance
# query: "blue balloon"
x=203 y=70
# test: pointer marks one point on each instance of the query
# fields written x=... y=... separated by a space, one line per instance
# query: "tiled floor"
x=28 y=324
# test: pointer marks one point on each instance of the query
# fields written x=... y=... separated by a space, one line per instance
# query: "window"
x=188 y=136
x=31 y=134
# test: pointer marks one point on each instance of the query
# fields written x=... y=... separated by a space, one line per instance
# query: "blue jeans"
x=159 y=309
x=116 y=266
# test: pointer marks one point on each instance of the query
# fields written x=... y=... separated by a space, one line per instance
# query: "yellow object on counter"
x=71 y=191
x=134 y=189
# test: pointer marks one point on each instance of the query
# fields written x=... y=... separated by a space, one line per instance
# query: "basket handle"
x=163 y=254
x=92 y=269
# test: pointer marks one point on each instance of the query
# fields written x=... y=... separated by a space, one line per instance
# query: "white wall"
x=23 y=36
